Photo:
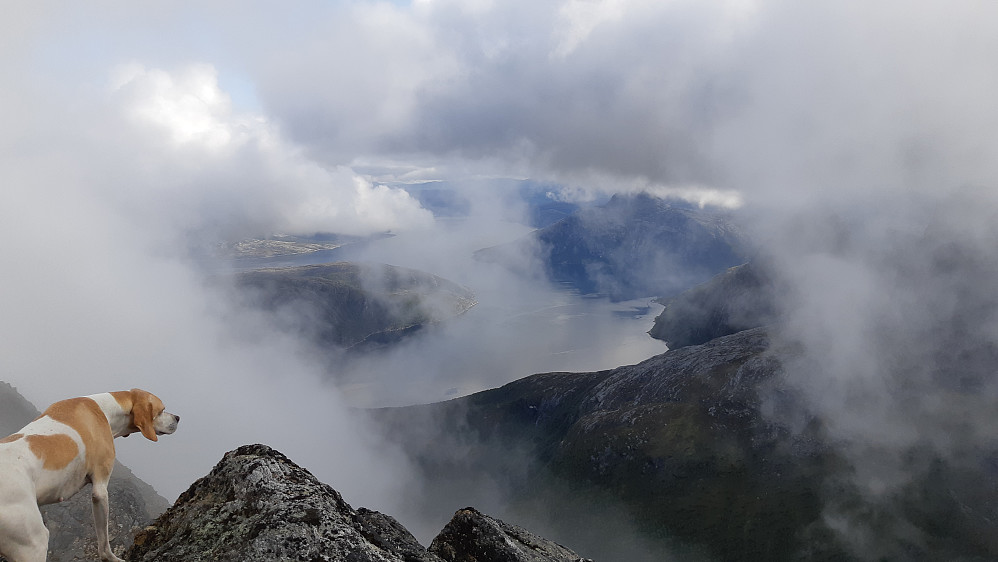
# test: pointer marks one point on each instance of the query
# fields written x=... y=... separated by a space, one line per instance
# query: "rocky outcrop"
x=257 y=505
x=70 y=523
x=472 y=536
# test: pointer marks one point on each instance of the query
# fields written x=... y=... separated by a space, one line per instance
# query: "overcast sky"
x=860 y=137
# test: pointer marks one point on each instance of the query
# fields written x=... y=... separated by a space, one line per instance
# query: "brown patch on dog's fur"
x=11 y=438
x=56 y=451
x=86 y=417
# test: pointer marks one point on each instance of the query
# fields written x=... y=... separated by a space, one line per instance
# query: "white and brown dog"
x=51 y=459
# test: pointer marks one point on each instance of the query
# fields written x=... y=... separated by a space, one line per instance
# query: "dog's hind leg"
x=23 y=536
x=101 y=512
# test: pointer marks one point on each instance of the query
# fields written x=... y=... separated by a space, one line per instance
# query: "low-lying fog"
x=859 y=135
x=520 y=326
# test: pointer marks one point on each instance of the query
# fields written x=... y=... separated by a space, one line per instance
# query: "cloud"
x=853 y=133
x=857 y=137
x=236 y=172
x=105 y=192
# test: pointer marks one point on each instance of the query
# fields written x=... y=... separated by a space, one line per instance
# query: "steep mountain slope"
x=678 y=439
x=70 y=523
x=257 y=505
x=348 y=304
x=703 y=444
x=633 y=246
x=737 y=299
x=15 y=410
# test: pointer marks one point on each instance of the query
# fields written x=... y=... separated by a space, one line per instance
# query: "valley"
x=619 y=446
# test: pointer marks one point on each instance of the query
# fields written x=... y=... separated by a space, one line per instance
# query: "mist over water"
x=519 y=326
x=496 y=343
x=859 y=137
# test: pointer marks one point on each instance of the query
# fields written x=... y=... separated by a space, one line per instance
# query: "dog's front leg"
x=101 y=511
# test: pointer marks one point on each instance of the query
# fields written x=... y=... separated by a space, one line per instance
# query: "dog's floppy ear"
x=142 y=414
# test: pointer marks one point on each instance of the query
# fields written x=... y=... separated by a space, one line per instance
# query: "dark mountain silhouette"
x=737 y=299
x=633 y=246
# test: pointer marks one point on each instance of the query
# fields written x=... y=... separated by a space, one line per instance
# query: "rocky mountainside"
x=703 y=446
x=257 y=505
x=70 y=523
x=737 y=299
x=633 y=246
x=349 y=304
x=677 y=440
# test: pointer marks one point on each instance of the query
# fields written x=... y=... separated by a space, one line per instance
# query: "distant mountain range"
x=540 y=203
x=633 y=246
x=346 y=305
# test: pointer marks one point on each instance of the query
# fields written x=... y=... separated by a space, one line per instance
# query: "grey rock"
x=257 y=505
x=472 y=536
x=387 y=533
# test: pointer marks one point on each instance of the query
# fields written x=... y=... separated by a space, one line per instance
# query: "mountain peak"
x=472 y=536
x=258 y=505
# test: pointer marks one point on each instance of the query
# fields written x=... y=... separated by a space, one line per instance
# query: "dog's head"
x=149 y=416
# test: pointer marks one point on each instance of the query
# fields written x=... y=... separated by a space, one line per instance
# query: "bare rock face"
x=472 y=536
x=257 y=505
x=388 y=534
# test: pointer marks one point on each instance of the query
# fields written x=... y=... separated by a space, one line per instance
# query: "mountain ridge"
x=707 y=447
x=257 y=505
